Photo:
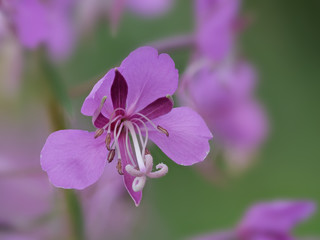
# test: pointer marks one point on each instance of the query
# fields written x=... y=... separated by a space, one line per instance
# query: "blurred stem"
x=179 y=42
x=75 y=214
x=57 y=119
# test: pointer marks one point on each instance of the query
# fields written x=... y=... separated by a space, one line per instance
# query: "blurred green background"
x=282 y=41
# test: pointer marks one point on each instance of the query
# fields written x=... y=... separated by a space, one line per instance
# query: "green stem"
x=57 y=119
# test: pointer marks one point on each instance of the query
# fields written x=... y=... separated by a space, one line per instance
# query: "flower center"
x=136 y=133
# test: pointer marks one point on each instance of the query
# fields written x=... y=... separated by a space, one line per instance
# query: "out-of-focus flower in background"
x=267 y=220
x=31 y=25
x=107 y=213
x=89 y=12
x=36 y=23
x=215 y=27
x=131 y=100
x=28 y=202
x=221 y=87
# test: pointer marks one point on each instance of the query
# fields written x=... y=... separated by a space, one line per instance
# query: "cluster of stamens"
x=142 y=164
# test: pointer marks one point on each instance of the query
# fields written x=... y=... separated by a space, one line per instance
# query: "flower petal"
x=99 y=91
x=127 y=178
x=149 y=77
x=277 y=217
x=188 y=138
x=216 y=18
x=99 y=121
x=119 y=91
x=73 y=158
x=159 y=107
x=30 y=21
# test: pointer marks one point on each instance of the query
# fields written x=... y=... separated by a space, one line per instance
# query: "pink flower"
x=268 y=221
x=215 y=26
x=36 y=22
x=274 y=220
x=91 y=10
x=131 y=100
x=106 y=210
x=27 y=198
x=224 y=97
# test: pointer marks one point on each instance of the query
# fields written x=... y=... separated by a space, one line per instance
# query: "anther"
x=170 y=98
x=98 y=132
x=103 y=100
x=108 y=141
x=161 y=129
x=111 y=155
x=119 y=167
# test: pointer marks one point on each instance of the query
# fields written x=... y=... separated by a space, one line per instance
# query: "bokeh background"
x=281 y=40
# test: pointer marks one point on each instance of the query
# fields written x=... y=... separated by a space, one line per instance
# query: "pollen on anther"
x=99 y=132
x=119 y=167
x=108 y=141
x=163 y=130
x=111 y=155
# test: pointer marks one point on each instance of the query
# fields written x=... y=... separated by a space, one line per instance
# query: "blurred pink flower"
x=215 y=27
x=106 y=209
x=268 y=221
x=27 y=198
x=272 y=220
x=131 y=100
x=224 y=97
x=38 y=22
x=90 y=10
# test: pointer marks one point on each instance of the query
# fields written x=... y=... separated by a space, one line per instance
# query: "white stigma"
x=141 y=176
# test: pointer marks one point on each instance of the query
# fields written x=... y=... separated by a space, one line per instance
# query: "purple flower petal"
x=60 y=39
x=119 y=92
x=73 y=158
x=215 y=29
x=101 y=89
x=159 y=107
x=149 y=77
x=30 y=20
x=127 y=178
x=188 y=136
x=99 y=121
x=277 y=217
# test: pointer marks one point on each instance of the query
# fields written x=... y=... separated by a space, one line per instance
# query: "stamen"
x=111 y=155
x=108 y=125
x=127 y=147
x=98 y=110
x=138 y=183
x=149 y=121
x=103 y=100
x=163 y=130
x=136 y=146
x=119 y=167
x=98 y=132
x=108 y=141
x=146 y=131
x=143 y=142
